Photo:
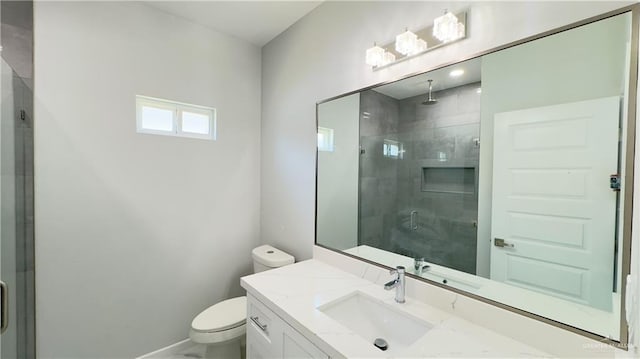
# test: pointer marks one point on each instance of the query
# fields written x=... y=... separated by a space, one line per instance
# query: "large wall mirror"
x=507 y=177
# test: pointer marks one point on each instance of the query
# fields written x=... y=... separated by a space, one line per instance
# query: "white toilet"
x=222 y=326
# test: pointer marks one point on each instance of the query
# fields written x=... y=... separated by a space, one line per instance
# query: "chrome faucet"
x=420 y=265
x=397 y=283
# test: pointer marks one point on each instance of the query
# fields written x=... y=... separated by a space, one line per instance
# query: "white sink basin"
x=372 y=319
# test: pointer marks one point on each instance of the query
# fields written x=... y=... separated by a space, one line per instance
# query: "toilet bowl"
x=222 y=326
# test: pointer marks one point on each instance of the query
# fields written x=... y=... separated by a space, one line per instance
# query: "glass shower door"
x=16 y=217
x=17 y=268
x=418 y=175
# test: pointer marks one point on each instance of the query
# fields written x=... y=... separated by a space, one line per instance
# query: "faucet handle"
x=420 y=265
x=398 y=270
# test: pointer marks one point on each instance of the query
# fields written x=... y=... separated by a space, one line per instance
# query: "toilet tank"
x=266 y=257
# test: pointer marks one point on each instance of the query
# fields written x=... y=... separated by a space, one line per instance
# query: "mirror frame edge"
x=627 y=219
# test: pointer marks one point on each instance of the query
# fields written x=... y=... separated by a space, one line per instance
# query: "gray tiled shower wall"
x=378 y=183
x=436 y=176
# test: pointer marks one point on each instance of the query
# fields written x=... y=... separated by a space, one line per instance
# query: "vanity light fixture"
x=388 y=58
x=406 y=42
x=375 y=55
x=450 y=28
x=456 y=73
x=461 y=30
x=421 y=46
x=447 y=28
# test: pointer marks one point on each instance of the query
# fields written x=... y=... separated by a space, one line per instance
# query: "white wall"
x=338 y=174
x=322 y=56
x=137 y=233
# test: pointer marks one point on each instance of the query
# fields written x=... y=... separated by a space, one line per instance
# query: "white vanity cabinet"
x=269 y=336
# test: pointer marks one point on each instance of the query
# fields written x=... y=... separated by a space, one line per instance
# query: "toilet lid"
x=227 y=314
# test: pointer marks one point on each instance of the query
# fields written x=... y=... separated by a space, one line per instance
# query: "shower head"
x=430 y=100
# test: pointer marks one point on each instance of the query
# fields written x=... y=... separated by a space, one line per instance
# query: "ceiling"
x=442 y=80
x=255 y=21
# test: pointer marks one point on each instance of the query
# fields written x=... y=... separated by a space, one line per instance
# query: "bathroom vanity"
x=269 y=336
x=314 y=310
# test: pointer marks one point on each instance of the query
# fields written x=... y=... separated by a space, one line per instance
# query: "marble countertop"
x=605 y=323
x=295 y=292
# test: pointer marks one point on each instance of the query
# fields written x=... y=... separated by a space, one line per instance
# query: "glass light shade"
x=375 y=56
x=388 y=58
x=461 y=30
x=406 y=42
x=421 y=46
x=445 y=27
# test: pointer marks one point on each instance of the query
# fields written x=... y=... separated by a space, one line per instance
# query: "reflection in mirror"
x=422 y=202
x=497 y=176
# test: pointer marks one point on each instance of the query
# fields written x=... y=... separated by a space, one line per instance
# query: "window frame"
x=147 y=102
x=200 y=110
x=177 y=109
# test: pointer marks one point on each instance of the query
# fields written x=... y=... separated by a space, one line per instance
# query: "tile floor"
x=194 y=351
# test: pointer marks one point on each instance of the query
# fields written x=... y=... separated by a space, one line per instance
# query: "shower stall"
x=17 y=294
x=418 y=174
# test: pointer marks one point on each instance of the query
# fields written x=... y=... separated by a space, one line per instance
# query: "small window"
x=392 y=149
x=325 y=139
x=162 y=117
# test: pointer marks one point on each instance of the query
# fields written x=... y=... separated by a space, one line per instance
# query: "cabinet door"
x=295 y=346
x=257 y=349
x=269 y=337
x=264 y=332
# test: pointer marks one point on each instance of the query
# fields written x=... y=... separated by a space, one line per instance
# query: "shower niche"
x=454 y=180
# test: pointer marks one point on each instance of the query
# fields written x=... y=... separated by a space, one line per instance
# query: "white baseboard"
x=169 y=350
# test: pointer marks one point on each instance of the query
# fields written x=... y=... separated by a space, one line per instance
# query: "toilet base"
x=232 y=349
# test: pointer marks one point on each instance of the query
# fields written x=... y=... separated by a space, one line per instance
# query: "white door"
x=552 y=203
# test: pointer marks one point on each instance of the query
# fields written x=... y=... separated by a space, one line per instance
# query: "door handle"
x=499 y=242
x=4 y=311
x=256 y=320
x=414 y=222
